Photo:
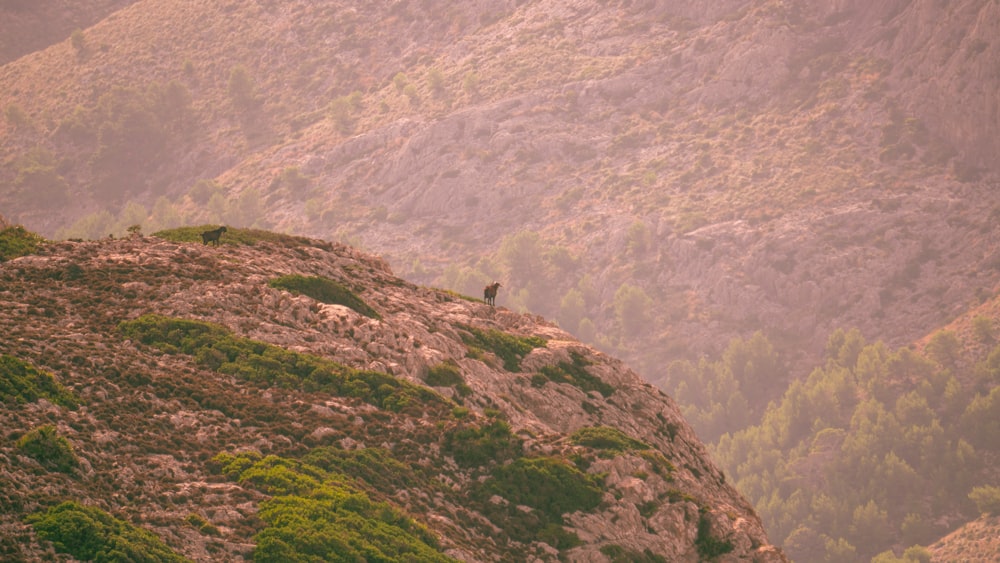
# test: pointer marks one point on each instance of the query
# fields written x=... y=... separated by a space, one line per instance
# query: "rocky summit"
x=281 y=398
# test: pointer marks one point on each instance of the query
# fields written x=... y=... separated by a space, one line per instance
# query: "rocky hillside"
x=790 y=167
x=975 y=541
x=210 y=403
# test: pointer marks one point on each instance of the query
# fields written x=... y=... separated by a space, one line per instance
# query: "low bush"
x=987 y=499
x=549 y=485
x=17 y=241
x=606 y=438
x=216 y=348
x=709 y=547
x=20 y=382
x=90 y=534
x=575 y=374
x=320 y=515
x=476 y=446
x=47 y=447
x=325 y=291
x=509 y=348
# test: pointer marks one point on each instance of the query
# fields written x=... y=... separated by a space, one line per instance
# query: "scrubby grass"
x=216 y=348
x=46 y=446
x=324 y=290
x=606 y=438
x=509 y=348
x=236 y=236
x=550 y=485
x=90 y=534
x=575 y=374
x=20 y=382
x=319 y=514
x=17 y=241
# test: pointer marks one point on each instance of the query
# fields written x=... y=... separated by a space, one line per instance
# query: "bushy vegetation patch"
x=320 y=515
x=447 y=374
x=575 y=374
x=375 y=467
x=17 y=241
x=547 y=484
x=20 y=382
x=476 y=446
x=509 y=348
x=216 y=348
x=606 y=438
x=709 y=547
x=46 y=446
x=987 y=499
x=324 y=290
x=237 y=236
x=90 y=534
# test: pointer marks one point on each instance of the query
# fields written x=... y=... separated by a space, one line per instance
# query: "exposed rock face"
x=59 y=311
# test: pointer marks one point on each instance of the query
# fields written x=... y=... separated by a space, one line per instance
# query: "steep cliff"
x=196 y=384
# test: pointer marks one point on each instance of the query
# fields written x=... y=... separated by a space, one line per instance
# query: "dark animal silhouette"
x=490 y=293
x=212 y=236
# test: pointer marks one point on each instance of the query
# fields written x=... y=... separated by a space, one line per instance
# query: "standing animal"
x=212 y=236
x=490 y=293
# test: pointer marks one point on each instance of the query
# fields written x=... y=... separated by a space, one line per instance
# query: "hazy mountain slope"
x=146 y=418
x=808 y=137
x=26 y=25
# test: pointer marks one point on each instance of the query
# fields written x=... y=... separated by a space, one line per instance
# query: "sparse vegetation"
x=606 y=438
x=575 y=374
x=509 y=348
x=215 y=347
x=324 y=290
x=248 y=237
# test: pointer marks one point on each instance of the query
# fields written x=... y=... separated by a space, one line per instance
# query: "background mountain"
x=745 y=183
x=288 y=398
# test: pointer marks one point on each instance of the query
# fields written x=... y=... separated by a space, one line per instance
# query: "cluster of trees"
x=863 y=455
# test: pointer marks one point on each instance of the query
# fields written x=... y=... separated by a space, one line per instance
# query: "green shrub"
x=575 y=374
x=709 y=547
x=509 y=348
x=320 y=515
x=20 y=382
x=987 y=499
x=606 y=438
x=375 y=467
x=47 y=447
x=90 y=534
x=444 y=374
x=214 y=347
x=447 y=374
x=558 y=537
x=476 y=446
x=325 y=291
x=549 y=485
x=17 y=241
